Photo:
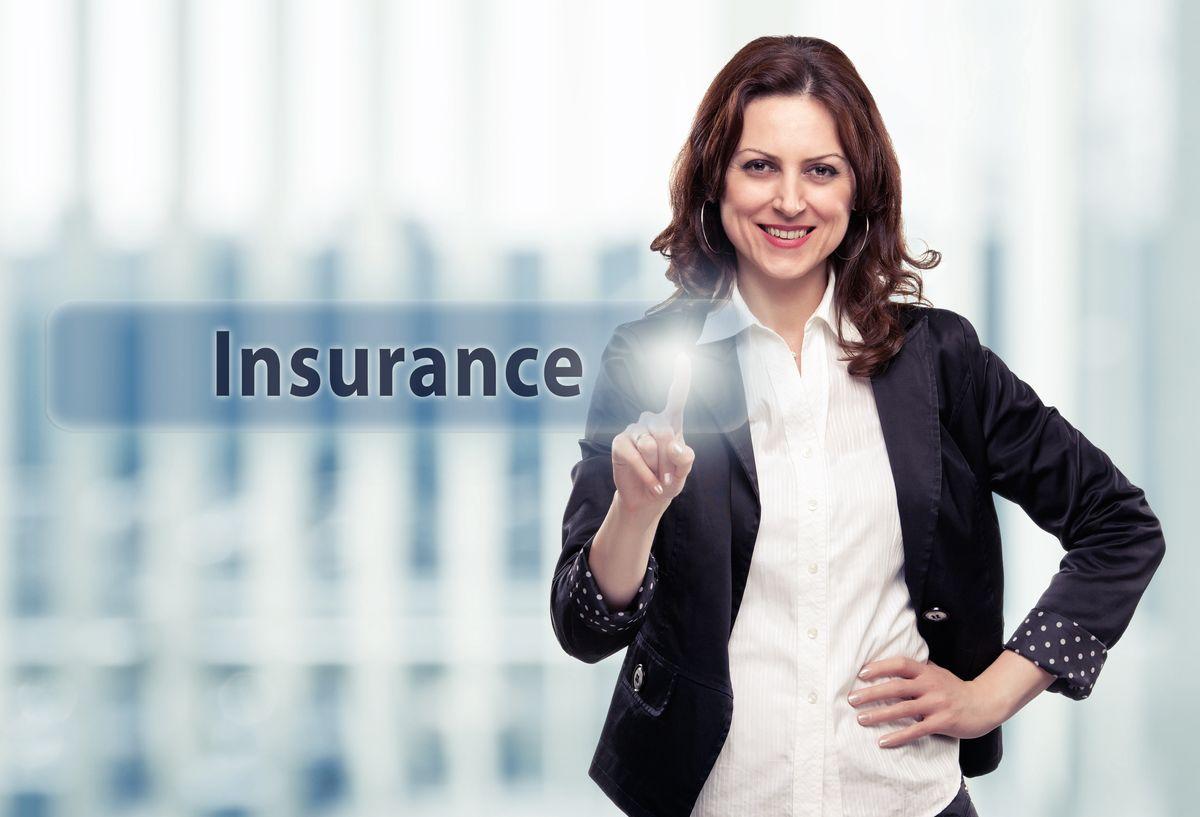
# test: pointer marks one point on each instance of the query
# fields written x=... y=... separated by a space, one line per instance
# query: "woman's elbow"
x=589 y=646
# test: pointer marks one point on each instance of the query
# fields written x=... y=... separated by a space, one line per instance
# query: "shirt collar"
x=732 y=316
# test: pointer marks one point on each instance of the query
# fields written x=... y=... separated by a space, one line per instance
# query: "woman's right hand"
x=651 y=461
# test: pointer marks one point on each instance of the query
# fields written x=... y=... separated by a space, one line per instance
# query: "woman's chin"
x=791 y=272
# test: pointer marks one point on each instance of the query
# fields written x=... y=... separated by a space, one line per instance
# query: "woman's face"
x=789 y=172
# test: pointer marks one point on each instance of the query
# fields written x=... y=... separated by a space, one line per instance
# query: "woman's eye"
x=761 y=166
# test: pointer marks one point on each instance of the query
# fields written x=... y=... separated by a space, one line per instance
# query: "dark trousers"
x=961 y=805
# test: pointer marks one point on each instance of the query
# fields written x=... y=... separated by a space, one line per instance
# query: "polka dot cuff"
x=1063 y=648
x=590 y=604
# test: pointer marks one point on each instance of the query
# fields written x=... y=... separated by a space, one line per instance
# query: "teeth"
x=789 y=234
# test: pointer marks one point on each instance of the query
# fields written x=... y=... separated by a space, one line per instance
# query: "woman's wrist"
x=1009 y=683
x=637 y=518
x=620 y=551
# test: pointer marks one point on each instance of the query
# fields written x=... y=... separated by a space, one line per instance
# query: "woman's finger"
x=899 y=665
x=681 y=383
x=911 y=708
x=663 y=435
x=882 y=691
x=628 y=454
x=923 y=728
x=682 y=456
x=648 y=450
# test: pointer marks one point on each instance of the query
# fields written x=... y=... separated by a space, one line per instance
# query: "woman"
x=851 y=443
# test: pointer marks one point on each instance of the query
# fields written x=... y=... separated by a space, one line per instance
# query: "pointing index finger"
x=677 y=395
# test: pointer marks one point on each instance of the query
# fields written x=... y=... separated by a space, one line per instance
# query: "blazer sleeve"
x=586 y=626
x=1071 y=489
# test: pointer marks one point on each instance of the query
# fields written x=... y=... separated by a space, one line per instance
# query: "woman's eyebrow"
x=813 y=159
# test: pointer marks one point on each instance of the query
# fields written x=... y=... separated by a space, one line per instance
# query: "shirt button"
x=812 y=568
x=807 y=452
x=812 y=697
x=812 y=632
x=812 y=504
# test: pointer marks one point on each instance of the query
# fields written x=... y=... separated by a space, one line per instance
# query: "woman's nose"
x=789 y=198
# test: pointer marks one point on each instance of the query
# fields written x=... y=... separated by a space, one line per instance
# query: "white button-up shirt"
x=825 y=595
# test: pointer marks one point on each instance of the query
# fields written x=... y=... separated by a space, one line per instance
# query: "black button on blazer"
x=958 y=426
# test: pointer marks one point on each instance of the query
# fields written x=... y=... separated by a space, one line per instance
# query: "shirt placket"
x=802 y=404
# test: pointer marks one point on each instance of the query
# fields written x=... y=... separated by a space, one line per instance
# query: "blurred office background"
x=347 y=623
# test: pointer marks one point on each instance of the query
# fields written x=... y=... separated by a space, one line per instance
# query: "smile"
x=787 y=239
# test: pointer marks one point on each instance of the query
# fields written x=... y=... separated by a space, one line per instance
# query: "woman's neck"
x=784 y=305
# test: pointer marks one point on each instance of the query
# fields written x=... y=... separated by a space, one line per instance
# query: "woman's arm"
x=589 y=624
x=1113 y=545
x=1070 y=488
x=620 y=552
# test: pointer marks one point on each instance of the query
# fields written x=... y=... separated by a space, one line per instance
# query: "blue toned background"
x=338 y=622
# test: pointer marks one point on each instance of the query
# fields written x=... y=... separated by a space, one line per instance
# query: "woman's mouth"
x=788 y=239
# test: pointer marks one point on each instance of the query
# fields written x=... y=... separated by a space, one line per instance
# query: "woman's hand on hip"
x=942 y=703
x=651 y=461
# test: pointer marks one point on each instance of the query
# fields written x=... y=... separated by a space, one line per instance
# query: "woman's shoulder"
x=938 y=317
x=950 y=341
x=946 y=327
x=666 y=320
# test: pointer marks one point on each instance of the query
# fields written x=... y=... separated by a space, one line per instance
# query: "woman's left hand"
x=943 y=703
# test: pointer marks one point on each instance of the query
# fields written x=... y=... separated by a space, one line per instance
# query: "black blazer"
x=958 y=426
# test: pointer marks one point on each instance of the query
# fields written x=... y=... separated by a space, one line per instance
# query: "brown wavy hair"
x=868 y=283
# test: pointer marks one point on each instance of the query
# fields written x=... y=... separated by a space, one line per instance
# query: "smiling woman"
x=823 y=547
x=788 y=136
x=788 y=198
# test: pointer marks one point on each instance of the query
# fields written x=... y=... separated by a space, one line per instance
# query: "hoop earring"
x=704 y=232
x=861 y=247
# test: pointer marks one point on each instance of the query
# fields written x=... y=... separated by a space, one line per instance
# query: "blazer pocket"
x=647 y=679
x=660 y=740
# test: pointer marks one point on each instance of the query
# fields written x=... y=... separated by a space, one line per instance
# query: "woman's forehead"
x=789 y=127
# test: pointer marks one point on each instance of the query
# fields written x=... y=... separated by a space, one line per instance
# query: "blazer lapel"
x=906 y=399
x=717 y=385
